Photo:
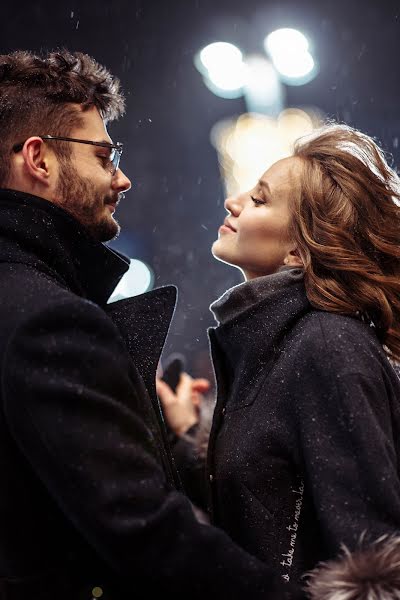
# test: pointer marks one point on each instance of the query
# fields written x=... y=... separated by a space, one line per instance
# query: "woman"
x=304 y=447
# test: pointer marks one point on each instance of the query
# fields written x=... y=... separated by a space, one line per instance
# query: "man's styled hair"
x=37 y=93
x=345 y=221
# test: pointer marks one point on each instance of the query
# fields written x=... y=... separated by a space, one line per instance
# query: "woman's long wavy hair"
x=346 y=224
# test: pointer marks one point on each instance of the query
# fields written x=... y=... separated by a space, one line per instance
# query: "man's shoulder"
x=22 y=281
x=27 y=291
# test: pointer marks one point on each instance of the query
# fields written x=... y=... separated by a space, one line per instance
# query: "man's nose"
x=121 y=182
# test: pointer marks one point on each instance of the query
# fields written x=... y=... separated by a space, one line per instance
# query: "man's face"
x=86 y=187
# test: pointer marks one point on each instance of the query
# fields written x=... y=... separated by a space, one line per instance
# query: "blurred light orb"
x=248 y=145
x=220 y=55
x=283 y=40
x=289 y=52
x=294 y=66
x=223 y=69
x=229 y=78
x=137 y=280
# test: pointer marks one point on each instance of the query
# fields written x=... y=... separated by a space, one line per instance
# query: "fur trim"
x=370 y=573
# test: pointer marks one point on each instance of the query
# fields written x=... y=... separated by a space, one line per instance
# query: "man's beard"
x=79 y=196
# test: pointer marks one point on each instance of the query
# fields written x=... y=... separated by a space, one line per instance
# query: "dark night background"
x=171 y=215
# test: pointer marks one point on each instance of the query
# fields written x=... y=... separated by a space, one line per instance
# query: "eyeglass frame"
x=118 y=147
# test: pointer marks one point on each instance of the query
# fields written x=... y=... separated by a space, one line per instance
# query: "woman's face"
x=254 y=236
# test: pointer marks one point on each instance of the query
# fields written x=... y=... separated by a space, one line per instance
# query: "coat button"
x=223 y=411
x=211 y=477
x=97 y=592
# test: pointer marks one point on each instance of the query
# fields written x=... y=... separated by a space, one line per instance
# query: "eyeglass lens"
x=115 y=157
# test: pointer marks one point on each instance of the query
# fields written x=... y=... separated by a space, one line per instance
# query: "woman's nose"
x=233 y=205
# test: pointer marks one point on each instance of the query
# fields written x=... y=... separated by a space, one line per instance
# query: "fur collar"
x=369 y=573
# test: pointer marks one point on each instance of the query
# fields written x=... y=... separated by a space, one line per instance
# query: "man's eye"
x=105 y=160
x=257 y=201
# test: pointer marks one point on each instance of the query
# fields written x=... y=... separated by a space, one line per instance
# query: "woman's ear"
x=293 y=259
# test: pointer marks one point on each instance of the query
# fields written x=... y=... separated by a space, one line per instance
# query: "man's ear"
x=37 y=160
x=293 y=259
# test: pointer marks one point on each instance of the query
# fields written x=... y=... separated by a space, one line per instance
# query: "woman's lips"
x=227 y=227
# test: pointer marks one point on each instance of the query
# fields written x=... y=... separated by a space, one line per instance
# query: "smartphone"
x=173 y=368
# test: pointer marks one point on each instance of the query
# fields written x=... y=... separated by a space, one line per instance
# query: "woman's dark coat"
x=304 y=449
x=88 y=492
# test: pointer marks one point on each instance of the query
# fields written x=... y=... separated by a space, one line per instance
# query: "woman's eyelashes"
x=257 y=201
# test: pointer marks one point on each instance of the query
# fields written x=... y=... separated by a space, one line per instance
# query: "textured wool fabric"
x=244 y=296
x=89 y=494
x=304 y=450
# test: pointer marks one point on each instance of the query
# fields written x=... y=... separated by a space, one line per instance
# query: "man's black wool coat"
x=87 y=487
x=305 y=445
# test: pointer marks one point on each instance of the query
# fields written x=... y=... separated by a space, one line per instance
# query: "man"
x=89 y=504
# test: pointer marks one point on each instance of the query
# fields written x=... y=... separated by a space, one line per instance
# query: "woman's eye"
x=257 y=201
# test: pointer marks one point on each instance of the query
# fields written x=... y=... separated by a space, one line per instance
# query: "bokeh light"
x=263 y=90
x=289 y=52
x=286 y=39
x=295 y=67
x=137 y=280
x=247 y=146
x=223 y=69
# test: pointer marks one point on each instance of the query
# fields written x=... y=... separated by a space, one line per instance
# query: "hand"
x=181 y=409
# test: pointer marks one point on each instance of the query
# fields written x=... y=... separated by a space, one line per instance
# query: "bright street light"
x=289 y=52
x=284 y=40
x=220 y=55
x=294 y=67
x=223 y=69
x=263 y=91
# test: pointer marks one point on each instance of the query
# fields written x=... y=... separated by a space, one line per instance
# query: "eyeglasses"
x=115 y=149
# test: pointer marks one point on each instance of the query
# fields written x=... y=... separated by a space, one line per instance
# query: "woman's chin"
x=223 y=257
x=217 y=251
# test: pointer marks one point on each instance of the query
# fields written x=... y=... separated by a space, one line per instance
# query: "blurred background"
x=216 y=91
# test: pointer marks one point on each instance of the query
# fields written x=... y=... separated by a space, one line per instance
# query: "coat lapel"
x=143 y=322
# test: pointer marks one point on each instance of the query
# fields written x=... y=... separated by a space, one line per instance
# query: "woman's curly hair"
x=346 y=224
x=38 y=96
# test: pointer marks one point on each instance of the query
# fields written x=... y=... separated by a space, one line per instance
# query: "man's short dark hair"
x=37 y=94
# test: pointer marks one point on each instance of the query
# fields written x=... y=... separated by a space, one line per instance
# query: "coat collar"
x=256 y=315
x=143 y=322
x=38 y=233
x=245 y=346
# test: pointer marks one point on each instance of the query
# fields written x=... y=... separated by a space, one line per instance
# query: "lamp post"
x=247 y=144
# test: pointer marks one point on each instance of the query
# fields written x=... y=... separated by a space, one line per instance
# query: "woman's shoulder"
x=346 y=342
x=337 y=358
x=333 y=326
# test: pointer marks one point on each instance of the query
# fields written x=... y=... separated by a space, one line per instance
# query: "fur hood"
x=370 y=573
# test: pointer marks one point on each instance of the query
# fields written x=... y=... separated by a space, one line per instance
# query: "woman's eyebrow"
x=264 y=184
